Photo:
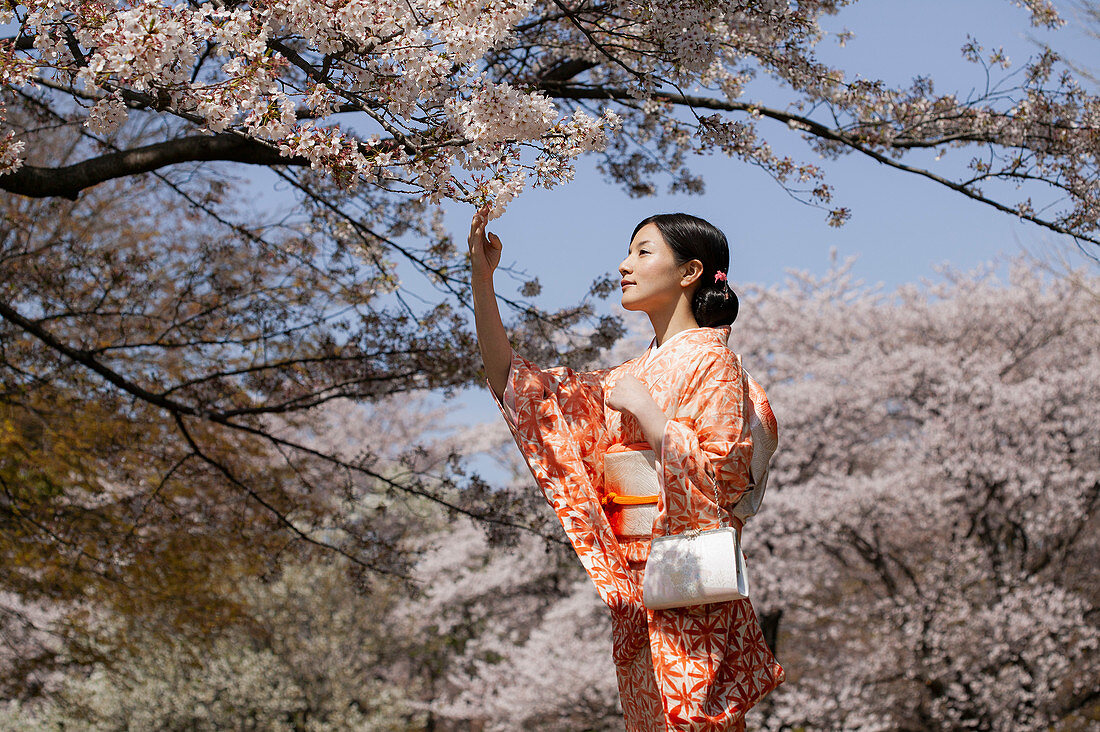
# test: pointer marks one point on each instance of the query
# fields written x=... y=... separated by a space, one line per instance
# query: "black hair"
x=690 y=237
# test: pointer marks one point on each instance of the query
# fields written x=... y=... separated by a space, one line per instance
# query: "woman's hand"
x=485 y=249
x=630 y=395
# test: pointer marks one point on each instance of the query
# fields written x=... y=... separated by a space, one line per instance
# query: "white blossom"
x=106 y=116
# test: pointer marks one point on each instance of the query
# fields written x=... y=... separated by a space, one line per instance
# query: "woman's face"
x=652 y=280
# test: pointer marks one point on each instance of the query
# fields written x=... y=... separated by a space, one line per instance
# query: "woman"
x=693 y=668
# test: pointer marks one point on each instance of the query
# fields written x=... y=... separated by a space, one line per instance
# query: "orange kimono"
x=693 y=668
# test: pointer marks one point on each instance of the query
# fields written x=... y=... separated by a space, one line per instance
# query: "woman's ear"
x=690 y=272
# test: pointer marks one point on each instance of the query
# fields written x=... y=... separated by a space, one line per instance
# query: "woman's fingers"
x=484 y=247
x=493 y=249
x=628 y=393
x=477 y=225
x=477 y=229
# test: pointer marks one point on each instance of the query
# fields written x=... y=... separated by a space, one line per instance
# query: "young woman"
x=692 y=668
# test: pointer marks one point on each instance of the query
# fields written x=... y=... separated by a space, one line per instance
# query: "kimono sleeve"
x=559 y=409
x=706 y=448
x=557 y=418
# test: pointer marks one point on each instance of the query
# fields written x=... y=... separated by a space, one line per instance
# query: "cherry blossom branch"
x=456 y=286
x=461 y=95
x=816 y=129
x=571 y=15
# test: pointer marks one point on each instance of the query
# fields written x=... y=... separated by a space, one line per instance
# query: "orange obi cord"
x=620 y=500
x=637 y=446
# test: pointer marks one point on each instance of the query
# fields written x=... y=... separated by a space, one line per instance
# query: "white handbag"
x=695 y=568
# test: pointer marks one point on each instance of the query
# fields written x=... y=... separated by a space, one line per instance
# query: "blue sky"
x=902 y=226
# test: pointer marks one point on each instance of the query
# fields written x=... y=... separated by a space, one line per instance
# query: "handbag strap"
x=738 y=523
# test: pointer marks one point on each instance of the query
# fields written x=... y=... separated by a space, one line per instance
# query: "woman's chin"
x=629 y=301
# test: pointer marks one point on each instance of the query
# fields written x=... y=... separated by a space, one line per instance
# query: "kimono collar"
x=700 y=335
x=695 y=335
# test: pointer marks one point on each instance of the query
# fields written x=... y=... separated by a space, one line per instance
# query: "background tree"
x=934 y=528
x=164 y=376
x=306 y=653
x=306 y=648
x=929 y=543
x=930 y=537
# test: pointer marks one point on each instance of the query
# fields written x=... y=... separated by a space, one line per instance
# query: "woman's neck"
x=669 y=323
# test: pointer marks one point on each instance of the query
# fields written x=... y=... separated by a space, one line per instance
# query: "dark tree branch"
x=566 y=70
x=179 y=410
x=70 y=180
x=21 y=42
x=280 y=516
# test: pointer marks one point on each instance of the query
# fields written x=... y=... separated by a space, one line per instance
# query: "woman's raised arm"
x=492 y=339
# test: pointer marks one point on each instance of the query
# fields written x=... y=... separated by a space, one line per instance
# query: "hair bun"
x=715 y=304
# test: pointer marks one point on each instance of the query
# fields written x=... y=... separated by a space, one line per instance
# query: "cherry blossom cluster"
x=409 y=67
x=11 y=153
x=107 y=115
x=465 y=96
x=14 y=71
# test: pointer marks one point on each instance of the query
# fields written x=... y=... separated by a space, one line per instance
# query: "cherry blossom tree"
x=932 y=528
x=278 y=668
x=170 y=378
x=172 y=363
x=305 y=648
x=474 y=100
x=163 y=380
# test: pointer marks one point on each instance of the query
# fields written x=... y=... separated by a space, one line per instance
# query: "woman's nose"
x=623 y=269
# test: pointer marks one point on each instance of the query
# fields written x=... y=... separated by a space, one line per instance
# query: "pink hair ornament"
x=720 y=276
